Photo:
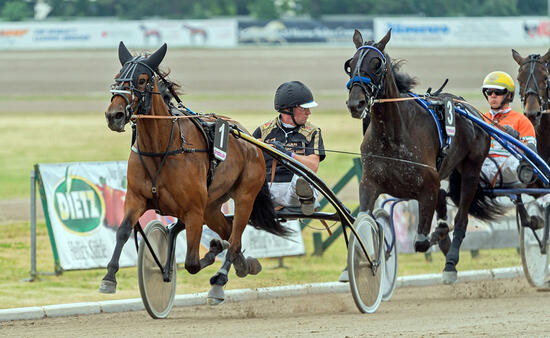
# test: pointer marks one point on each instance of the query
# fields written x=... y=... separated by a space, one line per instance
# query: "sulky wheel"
x=390 y=248
x=365 y=281
x=535 y=263
x=157 y=295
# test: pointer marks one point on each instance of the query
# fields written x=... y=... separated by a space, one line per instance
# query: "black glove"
x=281 y=147
x=511 y=131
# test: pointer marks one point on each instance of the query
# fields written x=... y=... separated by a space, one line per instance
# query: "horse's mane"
x=163 y=87
x=405 y=82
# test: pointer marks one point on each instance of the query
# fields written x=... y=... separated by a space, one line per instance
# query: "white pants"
x=284 y=193
x=508 y=167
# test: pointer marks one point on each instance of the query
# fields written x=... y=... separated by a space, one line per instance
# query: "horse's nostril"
x=119 y=116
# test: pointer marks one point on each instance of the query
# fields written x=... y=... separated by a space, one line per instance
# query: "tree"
x=16 y=11
x=263 y=9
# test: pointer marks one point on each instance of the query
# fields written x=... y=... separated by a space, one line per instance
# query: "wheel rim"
x=366 y=288
x=157 y=295
x=390 y=273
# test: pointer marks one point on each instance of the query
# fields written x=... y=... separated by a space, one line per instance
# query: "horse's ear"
x=124 y=54
x=382 y=43
x=156 y=58
x=517 y=57
x=546 y=57
x=357 y=39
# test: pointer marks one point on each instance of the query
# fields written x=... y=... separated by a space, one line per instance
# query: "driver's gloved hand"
x=281 y=147
x=511 y=131
x=525 y=170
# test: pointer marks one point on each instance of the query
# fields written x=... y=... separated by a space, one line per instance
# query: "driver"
x=292 y=134
x=500 y=166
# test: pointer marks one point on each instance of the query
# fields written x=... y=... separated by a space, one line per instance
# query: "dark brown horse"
x=401 y=145
x=534 y=90
x=168 y=170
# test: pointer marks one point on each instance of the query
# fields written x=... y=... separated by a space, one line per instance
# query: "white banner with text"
x=83 y=206
x=465 y=32
x=107 y=34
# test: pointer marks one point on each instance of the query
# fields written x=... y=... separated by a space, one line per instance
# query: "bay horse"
x=400 y=149
x=534 y=90
x=168 y=170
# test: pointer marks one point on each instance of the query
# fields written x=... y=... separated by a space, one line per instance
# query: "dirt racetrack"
x=487 y=308
x=225 y=80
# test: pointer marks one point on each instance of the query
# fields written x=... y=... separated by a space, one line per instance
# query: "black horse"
x=401 y=146
x=534 y=90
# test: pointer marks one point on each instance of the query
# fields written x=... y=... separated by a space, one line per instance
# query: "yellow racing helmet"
x=500 y=80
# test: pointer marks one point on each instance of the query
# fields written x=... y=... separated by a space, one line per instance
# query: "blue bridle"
x=366 y=80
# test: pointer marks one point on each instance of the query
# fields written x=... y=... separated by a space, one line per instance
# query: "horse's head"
x=534 y=84
x=367 y=71
x=134 y=86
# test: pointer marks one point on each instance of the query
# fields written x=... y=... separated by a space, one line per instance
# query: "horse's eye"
x=376 y=63
x=141 y=81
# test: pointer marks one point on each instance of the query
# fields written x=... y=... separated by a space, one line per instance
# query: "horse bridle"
x=131 y=92
x=529 y=90
x=373 y=80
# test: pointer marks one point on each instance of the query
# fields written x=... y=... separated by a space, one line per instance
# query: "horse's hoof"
x=445 y=245
x=241 y=265
x=421 y=243
x=254 y=265
x=243 y=270
x=216 y=295
x=449 y=277
x=107 y=286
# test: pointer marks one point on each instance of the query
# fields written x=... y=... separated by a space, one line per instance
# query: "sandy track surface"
x=486 y=308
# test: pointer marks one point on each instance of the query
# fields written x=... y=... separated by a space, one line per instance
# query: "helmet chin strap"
x=504 y=102
x=291 y=113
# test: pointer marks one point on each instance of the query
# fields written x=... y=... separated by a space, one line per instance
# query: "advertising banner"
x=465 y=32
x=83 y=206
x=107 y=34
x=303 y=31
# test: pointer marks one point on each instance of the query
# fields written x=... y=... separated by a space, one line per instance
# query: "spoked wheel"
x=535 y=263
x=366 y=281
x=390 y=248
x=157 y=295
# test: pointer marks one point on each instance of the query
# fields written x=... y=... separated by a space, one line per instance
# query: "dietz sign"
x=79 y=205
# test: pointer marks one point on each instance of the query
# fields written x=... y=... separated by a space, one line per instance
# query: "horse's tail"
x=263 y=215
x=484 y=205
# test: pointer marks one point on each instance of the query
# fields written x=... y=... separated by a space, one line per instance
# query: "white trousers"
x=508 y=167
x=284 y=193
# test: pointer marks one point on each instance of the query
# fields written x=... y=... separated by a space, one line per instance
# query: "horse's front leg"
x=468 y=187
x=368 y=193
x=133 y=209
x=426 y=208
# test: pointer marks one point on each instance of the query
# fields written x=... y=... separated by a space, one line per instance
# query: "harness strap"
x=154 y=179
x=170 y=153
